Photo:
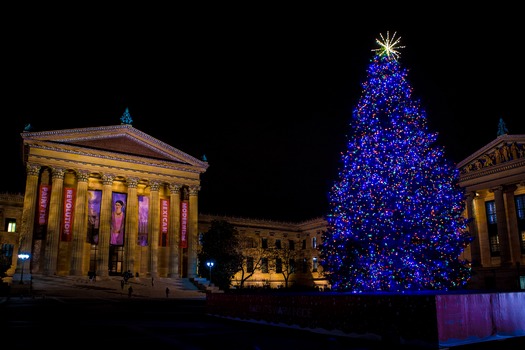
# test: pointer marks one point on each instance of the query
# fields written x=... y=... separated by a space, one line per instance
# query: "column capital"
x=33 y=169
x=496 y=189
x=175 y=188
x=472 y=195
x=107 y=179
x=58 y=173
x=155 y=185
x=82 y=175
x=132 y=182
x=194 y=190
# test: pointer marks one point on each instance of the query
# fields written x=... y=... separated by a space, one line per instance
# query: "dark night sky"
x=265 y=95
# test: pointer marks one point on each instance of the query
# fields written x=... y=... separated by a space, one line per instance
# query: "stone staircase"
x=204 y=285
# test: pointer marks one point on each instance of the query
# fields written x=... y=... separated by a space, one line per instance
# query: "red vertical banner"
x=67 y=214
x=184 y=224
x=164 y=222
x=43 y=204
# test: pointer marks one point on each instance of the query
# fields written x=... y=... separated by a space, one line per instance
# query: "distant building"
x=276 y=251
x=11 y=206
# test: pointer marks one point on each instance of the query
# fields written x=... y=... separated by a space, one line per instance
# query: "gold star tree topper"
x=388 y=46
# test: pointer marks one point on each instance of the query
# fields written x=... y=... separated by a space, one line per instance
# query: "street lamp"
x=23 y=257
x=210 y=265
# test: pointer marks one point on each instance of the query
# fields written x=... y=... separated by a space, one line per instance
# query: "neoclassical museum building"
x=112 y=199
x=108 y=200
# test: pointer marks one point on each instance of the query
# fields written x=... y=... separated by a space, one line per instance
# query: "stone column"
x=475 y=251
x=25 y=240
x=174 y=233
x=105 y=223
x=514 y=235
x=193 y=231
x=501 y=219
x=53 y=226
x=154 y=219
x=79 y=224
x=132 y=225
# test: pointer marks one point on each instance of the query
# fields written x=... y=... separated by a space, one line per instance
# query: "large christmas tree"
x=395 y=221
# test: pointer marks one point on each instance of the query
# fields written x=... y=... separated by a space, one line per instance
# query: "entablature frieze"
x=510 y=173
x=69 y=154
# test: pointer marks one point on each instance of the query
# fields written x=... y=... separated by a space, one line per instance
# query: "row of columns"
x=78 y=246
x=507 y=223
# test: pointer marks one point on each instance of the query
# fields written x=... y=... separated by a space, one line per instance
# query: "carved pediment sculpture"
x=500 y=153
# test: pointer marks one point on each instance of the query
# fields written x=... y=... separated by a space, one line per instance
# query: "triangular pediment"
x=504 y=150
x=121 y=139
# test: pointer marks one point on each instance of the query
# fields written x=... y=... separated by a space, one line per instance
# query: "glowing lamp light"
x=210 y=265
x=23 y=257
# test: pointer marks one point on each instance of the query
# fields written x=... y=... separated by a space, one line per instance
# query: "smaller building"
x=11 y=206
x=277 y=254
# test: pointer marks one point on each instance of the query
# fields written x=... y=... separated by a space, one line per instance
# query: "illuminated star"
x=388 y=46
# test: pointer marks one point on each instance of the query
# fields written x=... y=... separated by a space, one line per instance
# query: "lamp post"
x=23 y=257
x=210 y=265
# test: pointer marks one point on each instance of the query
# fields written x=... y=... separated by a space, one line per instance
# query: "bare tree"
x=252 y=258
x=288 y=260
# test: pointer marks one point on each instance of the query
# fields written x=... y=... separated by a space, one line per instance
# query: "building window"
x=264 y=265
x=492 y=227
x=520 y=212
x=10 y=225
x=264 y=242
x=249 y=264
x=304 y=244
x=291 y=244
x=278 y=244
x=314 y=242
x=314 y=264
x=278 y=265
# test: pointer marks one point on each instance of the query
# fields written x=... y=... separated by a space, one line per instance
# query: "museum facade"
x=108 y=200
